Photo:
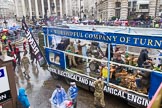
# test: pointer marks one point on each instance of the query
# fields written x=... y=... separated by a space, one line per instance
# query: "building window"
x=117 y=9
x=144 y=6
x=134 y=4
x=129 y=4
x=118 y=4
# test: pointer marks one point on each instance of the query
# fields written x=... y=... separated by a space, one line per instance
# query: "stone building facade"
x=40 y=8
x=6 y=8
x=89 y=9
x=154 y=6
x=106 y=9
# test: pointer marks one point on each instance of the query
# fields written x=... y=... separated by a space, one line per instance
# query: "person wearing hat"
x=8 y=52
x=71 y=49
x=61 y=46
x=142 y=57
x=118 y=69
x=143 y=83
x=9 y=45
x=73 y=93
x=99 y=101
x=18 y=56
x=24 y=48
x=80 y=46
x=58 y=97
x=119 y=60
x=25 y=63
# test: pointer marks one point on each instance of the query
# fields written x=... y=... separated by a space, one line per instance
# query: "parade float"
x=156 y=101
x=96 y=43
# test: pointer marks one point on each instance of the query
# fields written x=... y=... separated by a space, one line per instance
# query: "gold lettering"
x=127 y=39
x=149 y=42
x=114 y=37
x=91 y=36
x=122 y=39
x=135 y=40
x=95 y=36
x=157 y=43
x=142 y=41
x=81 y=34
x=103 y=38
x=70 y=33
x=75 y=33
x=86 y=35
x=100 y=37
x=108 y=38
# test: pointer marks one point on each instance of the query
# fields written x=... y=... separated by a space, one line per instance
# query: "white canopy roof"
x=142 y=1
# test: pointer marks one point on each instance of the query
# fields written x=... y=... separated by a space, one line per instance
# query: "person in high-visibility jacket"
x=4 y=38
x=103 y=71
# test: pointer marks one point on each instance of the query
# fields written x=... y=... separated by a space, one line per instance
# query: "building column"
x=154 y=8
x=66 y=6
x=23 y=6
x=42 y=2
x=49 y=8
x=17 y=13
x=60 y=8
x=124 y=10
x=70 y=8
x=55 y=9
x=30 y=9
x=111 y=9
x=36 y=9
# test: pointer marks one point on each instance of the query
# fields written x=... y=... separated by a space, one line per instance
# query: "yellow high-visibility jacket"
x=104 y=72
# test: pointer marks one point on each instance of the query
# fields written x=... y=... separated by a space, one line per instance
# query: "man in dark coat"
x=142 y=57
x=144 y=82
x=61 y=46
x=111 y=52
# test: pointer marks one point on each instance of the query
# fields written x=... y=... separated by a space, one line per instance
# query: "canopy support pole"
x=108 y=63
x=129 y=30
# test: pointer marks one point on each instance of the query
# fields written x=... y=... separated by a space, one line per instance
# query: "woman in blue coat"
x=23 y=99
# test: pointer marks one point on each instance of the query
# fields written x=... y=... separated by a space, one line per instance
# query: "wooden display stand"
x=11 y=100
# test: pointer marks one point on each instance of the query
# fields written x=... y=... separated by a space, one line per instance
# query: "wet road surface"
x=41 y=86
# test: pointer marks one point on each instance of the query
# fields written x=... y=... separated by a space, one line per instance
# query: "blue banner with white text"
x=117 y=38
x=155 y=81
x=55 y=57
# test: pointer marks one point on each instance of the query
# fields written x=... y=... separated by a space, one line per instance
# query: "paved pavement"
x=41 y=85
